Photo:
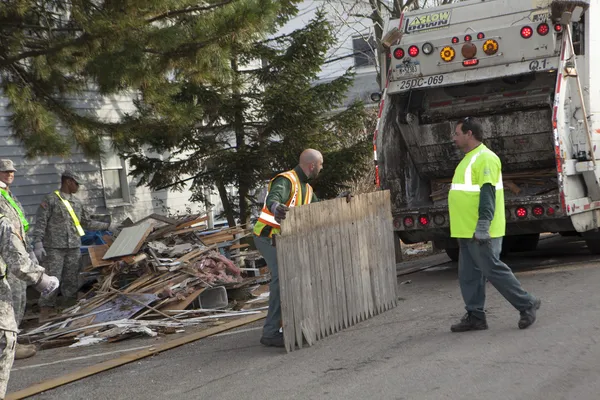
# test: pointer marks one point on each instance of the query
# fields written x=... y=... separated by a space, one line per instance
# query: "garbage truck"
x=529 y=72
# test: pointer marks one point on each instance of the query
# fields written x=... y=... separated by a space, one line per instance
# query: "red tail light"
x=413 y=51
x=543 y=29
x=470 y=63
x=398 y=53
x=550 y=211
x=480 y=35
x=455 y=40
x=521 y=212
x=526 y=32
x=538 y=211
x=423 y=220
x=468 y=38
x=558 y=28
x=409 y=222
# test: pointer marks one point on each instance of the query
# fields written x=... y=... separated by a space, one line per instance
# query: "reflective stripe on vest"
x=470 y=187
x=14 y=205
x=72 y=213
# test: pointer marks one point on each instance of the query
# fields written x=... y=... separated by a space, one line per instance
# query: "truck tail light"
x=398 y=53
x=526 y=32
x=490 y=47
x=538 y=211
x=543 y=29
x=481 y=35
x=468 y=38
x=447 y=54
x=427 y=48
x=558 y=28
x=521 y=212
x=423 y=220
x=470 y=63
x=409 y=222
x=439 y=219
x=455 y=40
x=550 y=211
x=413 y=51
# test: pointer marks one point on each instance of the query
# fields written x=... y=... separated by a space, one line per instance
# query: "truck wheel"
x=527 y=242
x=452 y=252
x=593 y=245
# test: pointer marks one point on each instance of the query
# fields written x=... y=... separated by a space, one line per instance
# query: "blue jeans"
x=269 y=252
x=477 y=262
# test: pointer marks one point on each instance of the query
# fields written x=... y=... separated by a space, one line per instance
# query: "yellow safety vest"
x=266 y=217
x=478 y=167
x=72 y=213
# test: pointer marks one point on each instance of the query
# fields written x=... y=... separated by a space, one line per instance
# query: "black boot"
x=528 y=317
x=470 y=323
x=275 y=341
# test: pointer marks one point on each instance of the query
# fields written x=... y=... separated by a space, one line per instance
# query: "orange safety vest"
x=266 y=217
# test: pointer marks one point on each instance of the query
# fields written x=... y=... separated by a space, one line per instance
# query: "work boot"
x=470 y=323
x=24 y=351
x=275 y=341
x=528 y=316
x=46 y=313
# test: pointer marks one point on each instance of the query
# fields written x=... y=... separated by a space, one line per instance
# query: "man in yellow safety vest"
x=286 y=190
x=59 y=224
x=477 y=220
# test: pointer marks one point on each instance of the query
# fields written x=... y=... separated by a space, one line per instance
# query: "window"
x=114 y=175
x=364 y=51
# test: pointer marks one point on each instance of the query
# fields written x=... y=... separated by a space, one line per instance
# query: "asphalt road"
x=405 y=353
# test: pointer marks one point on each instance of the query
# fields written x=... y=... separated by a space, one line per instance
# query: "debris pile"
x=157 y=275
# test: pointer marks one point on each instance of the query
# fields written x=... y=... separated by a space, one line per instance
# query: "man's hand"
x=47 y=284
x=39 y=251
x=279 y=211
x=482 y=232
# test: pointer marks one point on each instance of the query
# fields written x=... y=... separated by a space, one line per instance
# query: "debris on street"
x=158 y=276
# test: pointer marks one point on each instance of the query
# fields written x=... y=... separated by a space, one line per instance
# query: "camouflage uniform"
x=55 y=228
x=17 y=286
x=17 y=261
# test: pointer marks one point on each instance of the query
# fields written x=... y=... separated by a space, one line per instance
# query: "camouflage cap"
x=7 y=166
x=71 y=175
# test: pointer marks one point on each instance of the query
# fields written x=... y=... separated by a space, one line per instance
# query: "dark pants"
x=269 y=252
x=476 y=263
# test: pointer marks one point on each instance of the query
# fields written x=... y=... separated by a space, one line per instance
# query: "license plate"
x=403 y=70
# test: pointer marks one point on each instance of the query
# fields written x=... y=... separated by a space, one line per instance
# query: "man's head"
x=468 y=134
x=69 y=182
x=311 y=162
x=7 y=171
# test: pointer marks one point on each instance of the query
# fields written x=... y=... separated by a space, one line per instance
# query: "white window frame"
x=123 y=172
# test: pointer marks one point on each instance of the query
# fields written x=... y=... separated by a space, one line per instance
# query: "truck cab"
x=526 y=72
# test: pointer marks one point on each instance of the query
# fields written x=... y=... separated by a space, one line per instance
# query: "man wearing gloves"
x=15 y=260
x=60 y=220
x=12 y=209
x=476 y=206
x=288 y=189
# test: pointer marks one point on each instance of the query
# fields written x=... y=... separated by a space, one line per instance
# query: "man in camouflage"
x=13 y=210
x=15 y=260
x=59 y=224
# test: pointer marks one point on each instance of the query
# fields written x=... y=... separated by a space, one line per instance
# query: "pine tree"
x=241 y=131
x=53 y=49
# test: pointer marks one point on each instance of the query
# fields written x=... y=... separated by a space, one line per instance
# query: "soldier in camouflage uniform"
x=57 y=238
x=15 y=260
x=13 y=210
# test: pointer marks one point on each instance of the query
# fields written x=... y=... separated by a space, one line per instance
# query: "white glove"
x=47 y=284
x=39 y=250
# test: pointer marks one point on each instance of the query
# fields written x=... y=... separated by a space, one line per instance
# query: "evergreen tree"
x=241 y=131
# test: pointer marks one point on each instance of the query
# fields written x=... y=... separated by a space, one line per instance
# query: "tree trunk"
x=226 y=204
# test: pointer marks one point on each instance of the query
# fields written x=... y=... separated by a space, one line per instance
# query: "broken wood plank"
x=96 y=255
x=129 y=241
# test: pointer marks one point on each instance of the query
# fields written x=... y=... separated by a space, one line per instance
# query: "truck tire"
x=593 y=245
x=521 y=243
x=452 y=252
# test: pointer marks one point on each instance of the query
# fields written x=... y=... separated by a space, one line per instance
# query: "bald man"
x=288 y=189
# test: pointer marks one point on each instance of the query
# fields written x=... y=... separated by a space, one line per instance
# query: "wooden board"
x=96 y=255
x=337 y=266
x=129 y=241
x=131 y=357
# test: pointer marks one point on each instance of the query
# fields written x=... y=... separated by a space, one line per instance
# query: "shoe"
x=528 y=316
x=275 y=341
x=470 y=323
x=25 y=351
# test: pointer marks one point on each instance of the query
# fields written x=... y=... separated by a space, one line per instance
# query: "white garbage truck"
x=529 y=71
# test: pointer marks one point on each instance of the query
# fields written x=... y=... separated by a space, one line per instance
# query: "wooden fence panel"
x=337 y=266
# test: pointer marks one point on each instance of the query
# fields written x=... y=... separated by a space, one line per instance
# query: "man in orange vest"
x=286 y=190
